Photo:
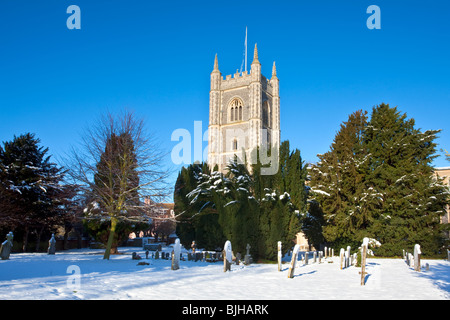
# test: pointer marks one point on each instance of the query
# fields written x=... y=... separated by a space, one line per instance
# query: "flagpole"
x=246 y=48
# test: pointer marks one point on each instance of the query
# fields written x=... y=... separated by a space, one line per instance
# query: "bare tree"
x=119 y=164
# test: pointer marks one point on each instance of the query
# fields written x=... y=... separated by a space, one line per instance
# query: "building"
x=445 y=174
x=244 y=114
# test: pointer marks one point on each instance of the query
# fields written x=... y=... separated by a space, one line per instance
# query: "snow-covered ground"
x=42 y=276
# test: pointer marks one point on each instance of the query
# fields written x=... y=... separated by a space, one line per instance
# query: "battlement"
x=243 y=79
x=236 y=80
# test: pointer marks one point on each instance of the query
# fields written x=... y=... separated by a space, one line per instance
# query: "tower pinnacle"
x=255 y=55
x=216 y=64
x=274 y=70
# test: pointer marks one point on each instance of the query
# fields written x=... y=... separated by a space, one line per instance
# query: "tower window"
x=235 y=144
x=236 y=107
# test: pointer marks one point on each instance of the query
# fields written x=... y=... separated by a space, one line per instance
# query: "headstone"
x=248 y=257
x=6 y=247
x=348 y=255
x=238 y=258
x=279 y=255
x=332 y=253
x=193 y=246
x=52 y=245
x=293 y=261
x=306 y=257
x=146 y=254
x=156 y=255
x=314 y=256
x=326 y=251
x=135 y=256
x=363 y=262
x=176 y=255
x=341 y=256
x=417 y=254
x=227 y=256
x=411 y=260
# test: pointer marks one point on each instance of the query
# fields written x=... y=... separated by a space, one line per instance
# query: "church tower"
x=244 y=114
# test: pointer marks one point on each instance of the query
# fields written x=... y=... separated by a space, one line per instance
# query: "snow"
x=41 y=276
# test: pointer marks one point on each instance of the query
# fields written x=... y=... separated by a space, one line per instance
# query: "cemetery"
x=107 y=194
x=174 y=272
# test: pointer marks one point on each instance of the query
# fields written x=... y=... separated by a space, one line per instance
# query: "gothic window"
x=236 y=107
x=235 y=144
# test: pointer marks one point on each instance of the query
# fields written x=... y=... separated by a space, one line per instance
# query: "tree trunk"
x=38 y=238
x=66 y=238
x=25 y=240
x=112 y=232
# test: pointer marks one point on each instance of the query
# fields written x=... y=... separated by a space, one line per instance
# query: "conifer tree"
x=411 y=197
x=337 y=183
x=31 y=190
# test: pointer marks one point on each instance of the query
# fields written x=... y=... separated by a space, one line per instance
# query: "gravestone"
x=6 y=247
x=248 y=257
x=306 y=257
x=52 y=245
x=279 y=255
x=314 y=256
x=326 y=252
x=417 y=254
x=176 y=255
x=135 y=256
x=348 y=256
x=341 y=256
x=227 y=256
x=364 y=248
x=293 y=261
x=238 y=258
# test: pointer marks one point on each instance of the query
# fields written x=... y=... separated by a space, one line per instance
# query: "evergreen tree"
x=337 y=183
x=241 y=207
x=411 y=198
x=31 y=191
x=377 y=181
x=197 y=220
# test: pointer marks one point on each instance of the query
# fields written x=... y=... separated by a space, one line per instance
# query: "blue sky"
x=156 y=58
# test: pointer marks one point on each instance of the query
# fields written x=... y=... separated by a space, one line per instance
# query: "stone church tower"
x=244 y=113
